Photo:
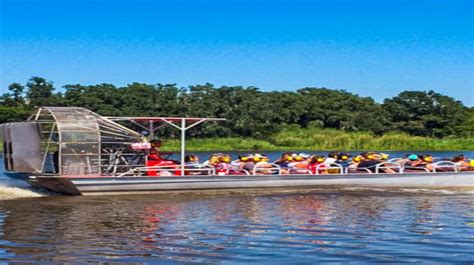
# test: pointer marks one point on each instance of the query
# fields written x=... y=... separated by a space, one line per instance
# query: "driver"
x=154 y=153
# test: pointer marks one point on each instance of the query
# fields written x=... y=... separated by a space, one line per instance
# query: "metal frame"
x=388 y=165
x=263 y=168
x=445 y=164
x=326 y=166
x=107 y=131
x=143 y=170
x=183 y=127
x=76 y=121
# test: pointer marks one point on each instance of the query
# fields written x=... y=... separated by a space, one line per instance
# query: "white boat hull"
x=123 y=185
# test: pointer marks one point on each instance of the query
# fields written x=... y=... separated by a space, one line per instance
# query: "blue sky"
x=372 y=48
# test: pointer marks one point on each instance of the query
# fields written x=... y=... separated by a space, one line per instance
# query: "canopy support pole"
x=152 y=130
x=183 y=144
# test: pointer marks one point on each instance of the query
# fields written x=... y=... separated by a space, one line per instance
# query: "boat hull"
x=123 y=185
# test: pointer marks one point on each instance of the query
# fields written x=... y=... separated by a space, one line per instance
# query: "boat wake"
x=11 y=188
x=442 y=191
x=433 y=191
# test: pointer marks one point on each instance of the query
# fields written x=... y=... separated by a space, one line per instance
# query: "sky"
x=371 y=48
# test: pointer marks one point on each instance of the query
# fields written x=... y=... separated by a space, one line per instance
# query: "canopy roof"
x=77 y=120
x=174 y=119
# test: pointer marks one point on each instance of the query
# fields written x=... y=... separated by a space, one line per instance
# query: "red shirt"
x=314 y=166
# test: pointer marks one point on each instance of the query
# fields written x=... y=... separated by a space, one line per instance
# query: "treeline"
x=249 y=111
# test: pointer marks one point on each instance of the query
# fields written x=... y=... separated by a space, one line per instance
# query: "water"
x=305 y=227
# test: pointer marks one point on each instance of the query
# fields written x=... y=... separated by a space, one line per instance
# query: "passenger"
x=296 y=159
x=191 y=160
x=223 y=164
x=236 y=163
x=427 y=161
x=370 y=162
x=242 y=159
x=460 y=161
x=408 y=158
x=225 y=158
x=384 y=156
x=427 y=158
x=213 y=160
x=261 y=162
x=343 y=159
x=420 y=161
x=316 y=164
x=332 y=157
x=284 y=160
x=247 y=163
x=355 y=161
x=300 y=163
x=413 y=160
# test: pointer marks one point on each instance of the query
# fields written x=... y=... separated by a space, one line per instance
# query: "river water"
x=305 y=227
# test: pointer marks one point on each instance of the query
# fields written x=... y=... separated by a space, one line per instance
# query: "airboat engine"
x=22 y=147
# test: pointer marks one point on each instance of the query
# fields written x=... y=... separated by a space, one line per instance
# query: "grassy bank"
x=324 y=139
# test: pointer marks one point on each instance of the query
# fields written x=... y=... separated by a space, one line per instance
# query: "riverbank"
x=324 y=140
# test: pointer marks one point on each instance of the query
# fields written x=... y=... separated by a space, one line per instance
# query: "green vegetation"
x=308 y=118
x=291 y=138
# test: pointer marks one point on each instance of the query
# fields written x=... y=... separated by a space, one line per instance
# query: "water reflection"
x=303 y=227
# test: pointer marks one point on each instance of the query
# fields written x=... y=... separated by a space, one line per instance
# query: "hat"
x=368 y=155
x=343 y=156
x=427 y=158
x=257 y=157
x=224 y=158
x=357 y=158
x=297 y=157
x=413 y=157
x=317 y=158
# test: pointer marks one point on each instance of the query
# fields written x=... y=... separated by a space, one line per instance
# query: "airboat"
x=72 y=150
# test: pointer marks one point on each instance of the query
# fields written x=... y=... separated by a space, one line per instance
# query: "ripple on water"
x=320 y=226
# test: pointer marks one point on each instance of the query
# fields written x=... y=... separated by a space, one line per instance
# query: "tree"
x=249 y=111
x=40 y=92
x=425 y=113
x=340 y=110
x=13 y=113
x=17 y=91
x=104 y=99
x=466 y=128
